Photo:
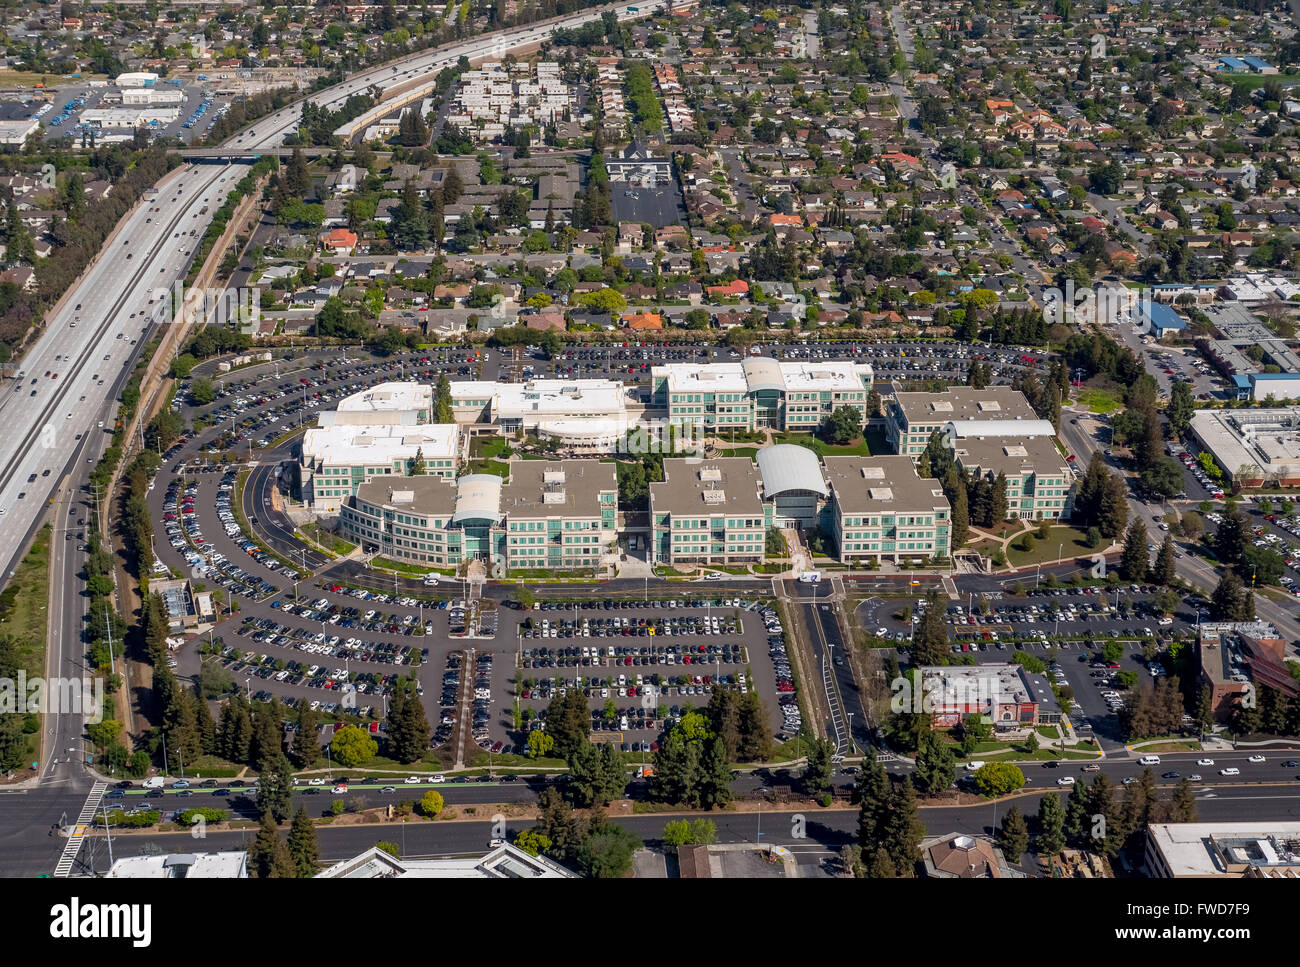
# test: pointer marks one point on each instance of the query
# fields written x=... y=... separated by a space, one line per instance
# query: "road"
x=68 y=380
x=1002 y=243
x=1082 y=438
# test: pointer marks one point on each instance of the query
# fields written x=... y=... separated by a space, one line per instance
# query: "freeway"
x=67 y=381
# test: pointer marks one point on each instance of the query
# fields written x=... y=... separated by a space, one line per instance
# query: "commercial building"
x=1247 y=850
x=880 y=509
x=546 y=514
x=588 y=414
x=379 y=432
x=1253 y=447
x=793 y=484
x=503 y=862
x=958 y=856
x=1038 y=477
x=758 y=392
x=16 y=132
x=709 y=512
x=1160 y=320
x=1239 y=658
x=182 y=866
x=1005 y=694
x=910 y=418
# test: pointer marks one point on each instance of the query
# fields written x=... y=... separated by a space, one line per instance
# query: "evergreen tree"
x=408 y=728
x=1051 y=825
x=998 y=506
x=1077 y=825
x=268 y=856
x=1013 y=835
x=305 y=749
x=903 y=829
x=1164 y=571
x=930 y=642
x=275 y=787
x=1134 y=560
x=302 y=845
x=936 y=766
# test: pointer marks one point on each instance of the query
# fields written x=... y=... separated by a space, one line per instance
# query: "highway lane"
x=68 y=379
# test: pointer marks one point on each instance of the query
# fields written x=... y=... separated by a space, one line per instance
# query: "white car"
x=1205 y=762
x=438 y=778
x=316 y=782
x=1230 y=771
x=1065 y=781
x=412 y=780
x=1257 y=758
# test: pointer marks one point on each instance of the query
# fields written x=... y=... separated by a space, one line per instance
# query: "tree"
x=540 y=744
x=817 y=773
x=1134 y=560
x=842 y=426
x=997 y=778
x=268 y=856
x=431 y=804
x=568 y=722
x=606 y=852
x=998 y=504
x=302 y=845
x=532 y=842
x=305 y=748
x=930 y=641
x=1233 y=536
x=1228 y=601
x=596 y=774
x=1013 y=835
x=352 y=746
x=682 y=832
x=1164 y=571
x=1181 y=407
x=936 y=766
x=1051 y=825
x=275 y=787
x=408 y=729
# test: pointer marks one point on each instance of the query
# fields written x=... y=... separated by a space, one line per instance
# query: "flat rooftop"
x=544 y=397
x=356 y=444
x=557 y=488
x=882 y=485
x=1222 y=849
x=1012 y=456
x=760 y=372
x=176 y=866
x=691 y=488
x=389 y=397
x=1267 y=439
x=962 y=403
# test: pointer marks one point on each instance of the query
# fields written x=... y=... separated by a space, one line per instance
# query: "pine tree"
x=275 y=787
x=903 y=829
x=960 y=529
x=1013 y=835
x=1164 y=571
x=305 y=749
x=1076 y=825
x=930 y=643
x=1134 y=561
x=1051 y=825
x=408 y=728
x=998 y=506
x=207 y=730
x=1184 y=804
x=302 y=845
x=268 y=856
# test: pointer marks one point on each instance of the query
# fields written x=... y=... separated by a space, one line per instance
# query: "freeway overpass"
x=248 y=155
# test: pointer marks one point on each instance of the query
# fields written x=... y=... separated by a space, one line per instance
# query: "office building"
x=880 y=509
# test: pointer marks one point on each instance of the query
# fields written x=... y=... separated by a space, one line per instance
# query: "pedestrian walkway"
x=78 y=832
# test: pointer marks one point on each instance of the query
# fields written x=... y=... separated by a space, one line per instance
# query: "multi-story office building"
x=559 y=514
x=592 y=414
x=379 y=432
x=880 y=509
x=709 y=512
x=910 y=418
x=1038 y=477
x=758 y=392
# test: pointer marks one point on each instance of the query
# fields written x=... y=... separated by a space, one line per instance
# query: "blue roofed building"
x=1161 y=320
x=1233 y=64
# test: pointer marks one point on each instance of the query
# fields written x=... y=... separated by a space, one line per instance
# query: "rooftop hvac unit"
x=873 y=473
x=553 y=476
x=710 y=474
x=553 y=497
x=714 y=496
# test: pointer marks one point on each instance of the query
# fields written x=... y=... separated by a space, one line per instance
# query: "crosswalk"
x=73 y=845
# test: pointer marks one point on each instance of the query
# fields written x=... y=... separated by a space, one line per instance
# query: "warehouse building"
x=759 y=392
x=1252 y=447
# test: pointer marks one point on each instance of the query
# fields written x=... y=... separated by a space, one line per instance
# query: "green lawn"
x=1075 y=541
x=489 y=466
x=325 y=539
x=489 y=448
x=823 y=449
x=1099 y=400
x=23 y=604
